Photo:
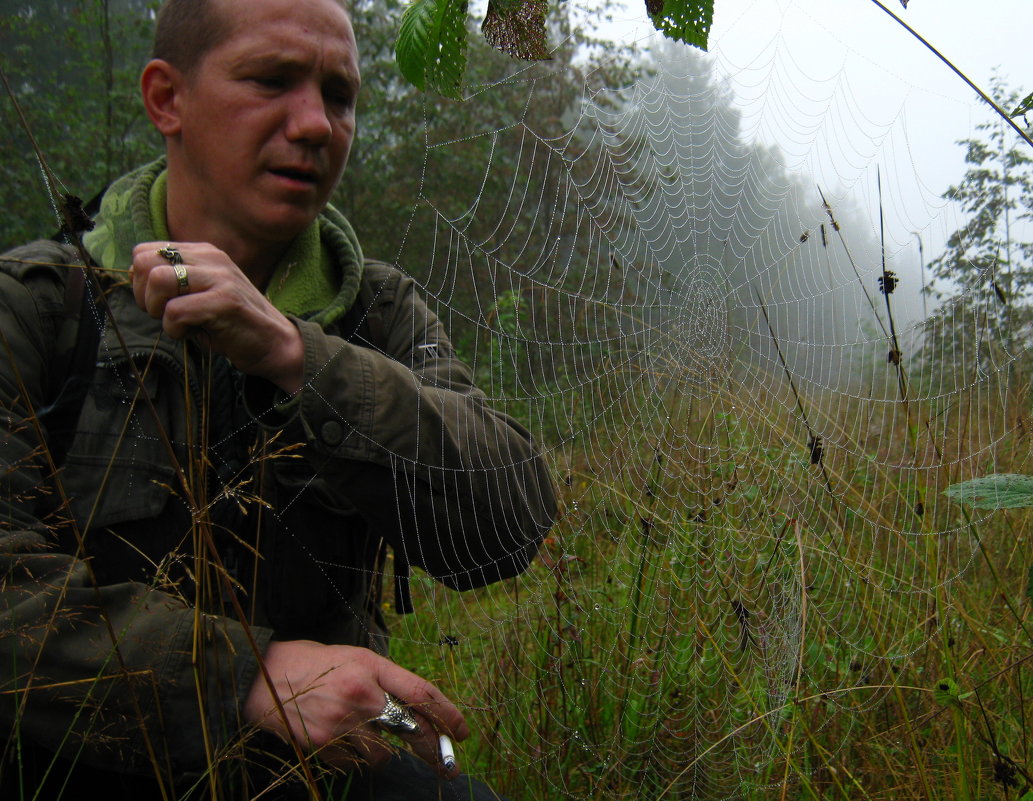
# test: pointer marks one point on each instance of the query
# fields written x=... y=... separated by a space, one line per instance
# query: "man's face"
x=267 y=119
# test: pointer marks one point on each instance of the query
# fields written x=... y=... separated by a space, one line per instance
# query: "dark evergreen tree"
x=74 y=67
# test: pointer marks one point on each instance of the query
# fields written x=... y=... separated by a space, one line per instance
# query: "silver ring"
x=171 y=255
x=182 y=279
x=396 y=718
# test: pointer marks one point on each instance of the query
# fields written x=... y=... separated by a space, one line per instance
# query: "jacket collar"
x=317 y=278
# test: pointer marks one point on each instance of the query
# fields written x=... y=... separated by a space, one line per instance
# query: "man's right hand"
x=220 y=308
x=332 y=694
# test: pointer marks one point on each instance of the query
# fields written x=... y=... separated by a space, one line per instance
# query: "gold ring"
x=182 y=280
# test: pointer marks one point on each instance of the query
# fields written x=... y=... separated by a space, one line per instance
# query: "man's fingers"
x=191 y=316
x=425 y=699
x=156 y=280
x=424 y=743
x=426 y=746
x=160 y=286
x=198 y=292
x=435 y=714
x=368 y=745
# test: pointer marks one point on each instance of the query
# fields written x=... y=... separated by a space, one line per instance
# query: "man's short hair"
x=186 y=30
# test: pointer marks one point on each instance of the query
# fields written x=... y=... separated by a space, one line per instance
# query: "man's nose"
x=308 y=121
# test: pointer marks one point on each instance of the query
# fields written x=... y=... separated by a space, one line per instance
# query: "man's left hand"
x=210 y=299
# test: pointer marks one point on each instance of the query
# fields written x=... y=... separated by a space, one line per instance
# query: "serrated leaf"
x=1023 y=107
x=997 y=491
x=414 y=35
x=517 y=28
x=431 y=45
x=946 y=692
x=685 y=21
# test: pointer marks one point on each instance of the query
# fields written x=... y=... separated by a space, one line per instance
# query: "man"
x=200 y=581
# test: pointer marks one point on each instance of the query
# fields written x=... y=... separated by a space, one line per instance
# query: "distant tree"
x=986 y=270
x=73 y=66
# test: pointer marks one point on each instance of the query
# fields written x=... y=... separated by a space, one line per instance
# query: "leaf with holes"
x=947 y=692
x=997 y=491
x=517 y=28
x=685 y=21
x=431 y=46
x=1023 y=107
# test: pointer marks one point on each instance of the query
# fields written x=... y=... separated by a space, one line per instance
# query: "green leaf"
x=431 y=46
x=997 y=491
x=685 y=21
x=1029 y=584
x=1023 y=107
x=946 y=692
x=517 y=28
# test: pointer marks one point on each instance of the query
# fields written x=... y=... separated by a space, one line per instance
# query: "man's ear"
x=161 y=85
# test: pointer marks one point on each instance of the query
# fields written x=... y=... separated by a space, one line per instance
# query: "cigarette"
x=448 y=754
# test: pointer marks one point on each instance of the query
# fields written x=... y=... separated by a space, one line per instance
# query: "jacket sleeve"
x=109 y=675
x=402 y=433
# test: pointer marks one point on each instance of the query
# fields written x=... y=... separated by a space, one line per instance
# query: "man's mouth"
x=295 y=174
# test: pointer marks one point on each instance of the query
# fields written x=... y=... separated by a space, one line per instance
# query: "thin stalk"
x=636 y=602
x=796 y=395
x=894 y=341
x=991 y=740
x=993 y=571
x=853 y=264
x=911 y=435
x=825 y=755
x=803 y=638
x=986 y=99
x=961 y=739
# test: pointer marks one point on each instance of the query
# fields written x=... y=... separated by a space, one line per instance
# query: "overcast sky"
x=883 y=64
x=975 y=36
x=845 y=92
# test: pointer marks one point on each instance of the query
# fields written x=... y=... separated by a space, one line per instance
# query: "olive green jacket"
x=191 y=495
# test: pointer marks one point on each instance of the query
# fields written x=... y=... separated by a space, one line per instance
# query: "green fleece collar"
x=317 y=278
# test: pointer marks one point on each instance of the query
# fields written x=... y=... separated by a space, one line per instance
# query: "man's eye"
x=269 y=82
x=340 y=100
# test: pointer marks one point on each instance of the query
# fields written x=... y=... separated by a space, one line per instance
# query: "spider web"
x=680 y=290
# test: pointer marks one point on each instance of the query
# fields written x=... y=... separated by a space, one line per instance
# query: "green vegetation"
x=705 y=634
